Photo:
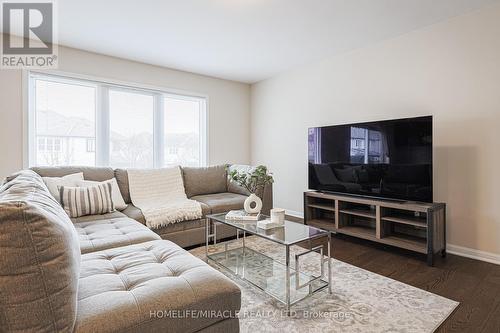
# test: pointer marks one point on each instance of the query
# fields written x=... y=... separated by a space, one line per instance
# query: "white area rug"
x=361 y=301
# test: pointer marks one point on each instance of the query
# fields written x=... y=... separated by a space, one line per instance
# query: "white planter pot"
x=253 y=199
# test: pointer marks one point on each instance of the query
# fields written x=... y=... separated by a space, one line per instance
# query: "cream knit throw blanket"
x=160 y=195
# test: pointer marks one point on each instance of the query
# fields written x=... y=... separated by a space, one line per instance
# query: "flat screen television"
x=385 y=159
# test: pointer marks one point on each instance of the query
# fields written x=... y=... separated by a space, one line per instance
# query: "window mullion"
x=102 y=126
x=159 y=131
x=203 y=128
x=32 y=138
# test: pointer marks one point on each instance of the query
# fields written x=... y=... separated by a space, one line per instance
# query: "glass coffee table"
x=278 y=279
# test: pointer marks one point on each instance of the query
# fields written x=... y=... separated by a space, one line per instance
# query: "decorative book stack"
x=241 y=215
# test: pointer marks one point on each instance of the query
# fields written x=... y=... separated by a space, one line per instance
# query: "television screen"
x=386 y=159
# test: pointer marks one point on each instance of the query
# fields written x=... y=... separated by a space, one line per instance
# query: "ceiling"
x=242 y=40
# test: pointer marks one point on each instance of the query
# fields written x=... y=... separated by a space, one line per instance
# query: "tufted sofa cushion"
x=221 y=202
x=39 y=259
x=109 y=233
x=133 y=288
x=88 y=218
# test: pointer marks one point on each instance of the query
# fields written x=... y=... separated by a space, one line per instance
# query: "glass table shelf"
x=266 y=273
x=277 y=279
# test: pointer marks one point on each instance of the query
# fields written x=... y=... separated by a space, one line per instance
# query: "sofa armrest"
x=267 y=199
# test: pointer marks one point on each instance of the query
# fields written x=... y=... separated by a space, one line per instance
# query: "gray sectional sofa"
x=210 y=186
x=110 y=273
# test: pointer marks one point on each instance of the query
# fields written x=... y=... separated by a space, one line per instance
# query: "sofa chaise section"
x=47 y=285
x=147 y=287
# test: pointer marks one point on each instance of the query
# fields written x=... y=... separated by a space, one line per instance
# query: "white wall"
x=450 y=70
x=229 y=104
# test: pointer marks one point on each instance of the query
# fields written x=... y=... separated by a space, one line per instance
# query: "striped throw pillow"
x=92 y=200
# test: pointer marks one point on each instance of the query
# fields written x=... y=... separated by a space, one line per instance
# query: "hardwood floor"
x=475 y=284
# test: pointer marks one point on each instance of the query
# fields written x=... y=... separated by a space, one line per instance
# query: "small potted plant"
x=253 y=181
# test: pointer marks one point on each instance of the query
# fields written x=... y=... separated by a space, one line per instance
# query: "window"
x=64 y=117
x=131 y=123
x=42 y=145
x=56 y=145
x=368 y=146
x=49 y=145
x=172 y=150
x=182 y=131
x=81 y=122
x=314 y=143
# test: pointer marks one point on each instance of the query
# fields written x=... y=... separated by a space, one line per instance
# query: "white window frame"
x=102 y=119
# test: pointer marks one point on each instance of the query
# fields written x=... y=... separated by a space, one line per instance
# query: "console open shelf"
x=416 y=221
x=324 y=224
x=416 y=244
x=418 y=227
x=322 y=206
x=359 y=231
x=359 y=212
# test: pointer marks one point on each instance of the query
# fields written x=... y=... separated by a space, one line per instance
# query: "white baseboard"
x=450 y=248
x=294 y=213
x=473 y=253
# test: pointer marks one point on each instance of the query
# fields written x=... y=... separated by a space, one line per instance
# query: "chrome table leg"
x=244 y=254
x=329 y=263
x=287 y=290
x=207 y=233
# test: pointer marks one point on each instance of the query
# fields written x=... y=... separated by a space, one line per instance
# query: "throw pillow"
x=115 y=191
x=92 y=200
x=53 y=183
